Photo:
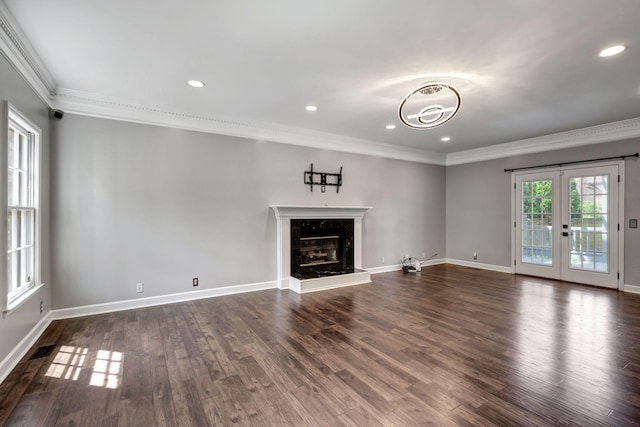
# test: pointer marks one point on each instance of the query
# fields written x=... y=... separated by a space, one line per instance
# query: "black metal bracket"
x=335 y=179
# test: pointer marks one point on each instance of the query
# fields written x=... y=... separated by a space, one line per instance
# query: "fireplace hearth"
x=319 y=247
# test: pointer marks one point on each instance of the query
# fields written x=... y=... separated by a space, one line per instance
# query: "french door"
x=566 y=224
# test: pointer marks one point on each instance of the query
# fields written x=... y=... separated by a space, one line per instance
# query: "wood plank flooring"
x=447 y=346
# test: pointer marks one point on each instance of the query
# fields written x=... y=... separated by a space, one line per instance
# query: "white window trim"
x=7 y=111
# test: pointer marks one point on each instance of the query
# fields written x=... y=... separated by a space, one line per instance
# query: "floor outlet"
x=195 y=281
x=139 y=288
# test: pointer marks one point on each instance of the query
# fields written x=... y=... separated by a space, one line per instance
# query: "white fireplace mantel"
x=285 y=213
x=313 y=212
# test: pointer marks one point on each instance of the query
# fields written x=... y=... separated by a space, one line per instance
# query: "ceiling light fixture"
x=611 y=51
x=445 y=139
x=391 y=127
x=196 y=83
x=311 y=108
x=430 y=105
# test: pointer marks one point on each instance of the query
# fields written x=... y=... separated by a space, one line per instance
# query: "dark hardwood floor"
x=447 y=346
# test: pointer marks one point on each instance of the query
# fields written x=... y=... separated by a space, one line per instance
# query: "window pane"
x=22 y=188
x=576 y=260
x=602 y=203
x=28 y=220
x=546 y=241
x=10 y=233
x=602 y=262
x=588 y=241
x=29 y=258
x=16 y=228
x=12 y=269
x=602 y=184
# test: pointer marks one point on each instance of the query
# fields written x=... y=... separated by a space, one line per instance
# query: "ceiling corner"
x=16 y=48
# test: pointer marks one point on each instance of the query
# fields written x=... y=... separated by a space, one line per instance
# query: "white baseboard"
x=12 y=359
x=398 y=267
x=633 y=289
x=498 y=268
x=88 y=310
x=384 y=269
x=433 y=262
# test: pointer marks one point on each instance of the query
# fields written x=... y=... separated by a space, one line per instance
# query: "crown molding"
x=615 y=131
x=88 y=104
x=83 y=103
x=15 y=46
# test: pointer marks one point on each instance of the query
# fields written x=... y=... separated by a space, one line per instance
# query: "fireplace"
x=321 y=247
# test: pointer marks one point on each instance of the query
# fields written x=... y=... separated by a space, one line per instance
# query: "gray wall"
x=478 y=202
x=16 y=326
x=135 y=203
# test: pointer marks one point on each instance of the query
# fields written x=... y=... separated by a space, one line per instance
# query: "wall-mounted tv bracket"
x=331 y=179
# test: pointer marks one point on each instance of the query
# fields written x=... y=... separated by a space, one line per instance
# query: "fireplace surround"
x=328 y=232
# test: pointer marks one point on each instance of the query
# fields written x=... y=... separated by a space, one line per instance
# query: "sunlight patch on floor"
x=69 y=361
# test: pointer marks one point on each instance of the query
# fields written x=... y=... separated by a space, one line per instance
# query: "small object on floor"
x=410 y=265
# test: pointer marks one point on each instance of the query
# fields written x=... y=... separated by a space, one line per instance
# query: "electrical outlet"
x=382 y=259
x=195 y=281
x=475 y=255
x=41 y=306
x=139 y=288
x=424 y=255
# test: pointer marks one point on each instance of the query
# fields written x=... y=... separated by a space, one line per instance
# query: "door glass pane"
x=537 y=220
x=589 y=205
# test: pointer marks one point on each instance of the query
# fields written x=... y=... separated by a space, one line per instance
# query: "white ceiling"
x=524 y=68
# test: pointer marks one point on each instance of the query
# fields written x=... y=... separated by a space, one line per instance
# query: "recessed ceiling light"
x=445 y=139
x=611 y=51
x=391 y=126
x=311 y=108
x=196 y=83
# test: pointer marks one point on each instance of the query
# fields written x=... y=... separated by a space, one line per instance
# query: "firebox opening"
x=321 y=247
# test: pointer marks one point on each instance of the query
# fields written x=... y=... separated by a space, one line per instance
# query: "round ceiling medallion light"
x=311 y=108
x=445 y=139
x=195 y=83
x=430 y=105
x=611 y=51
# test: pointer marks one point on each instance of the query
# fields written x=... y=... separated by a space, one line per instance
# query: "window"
x=21 y=152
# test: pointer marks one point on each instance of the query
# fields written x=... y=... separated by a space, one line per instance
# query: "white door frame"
x=621 y=218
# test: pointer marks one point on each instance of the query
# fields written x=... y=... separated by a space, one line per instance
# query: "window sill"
x=11 y=308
